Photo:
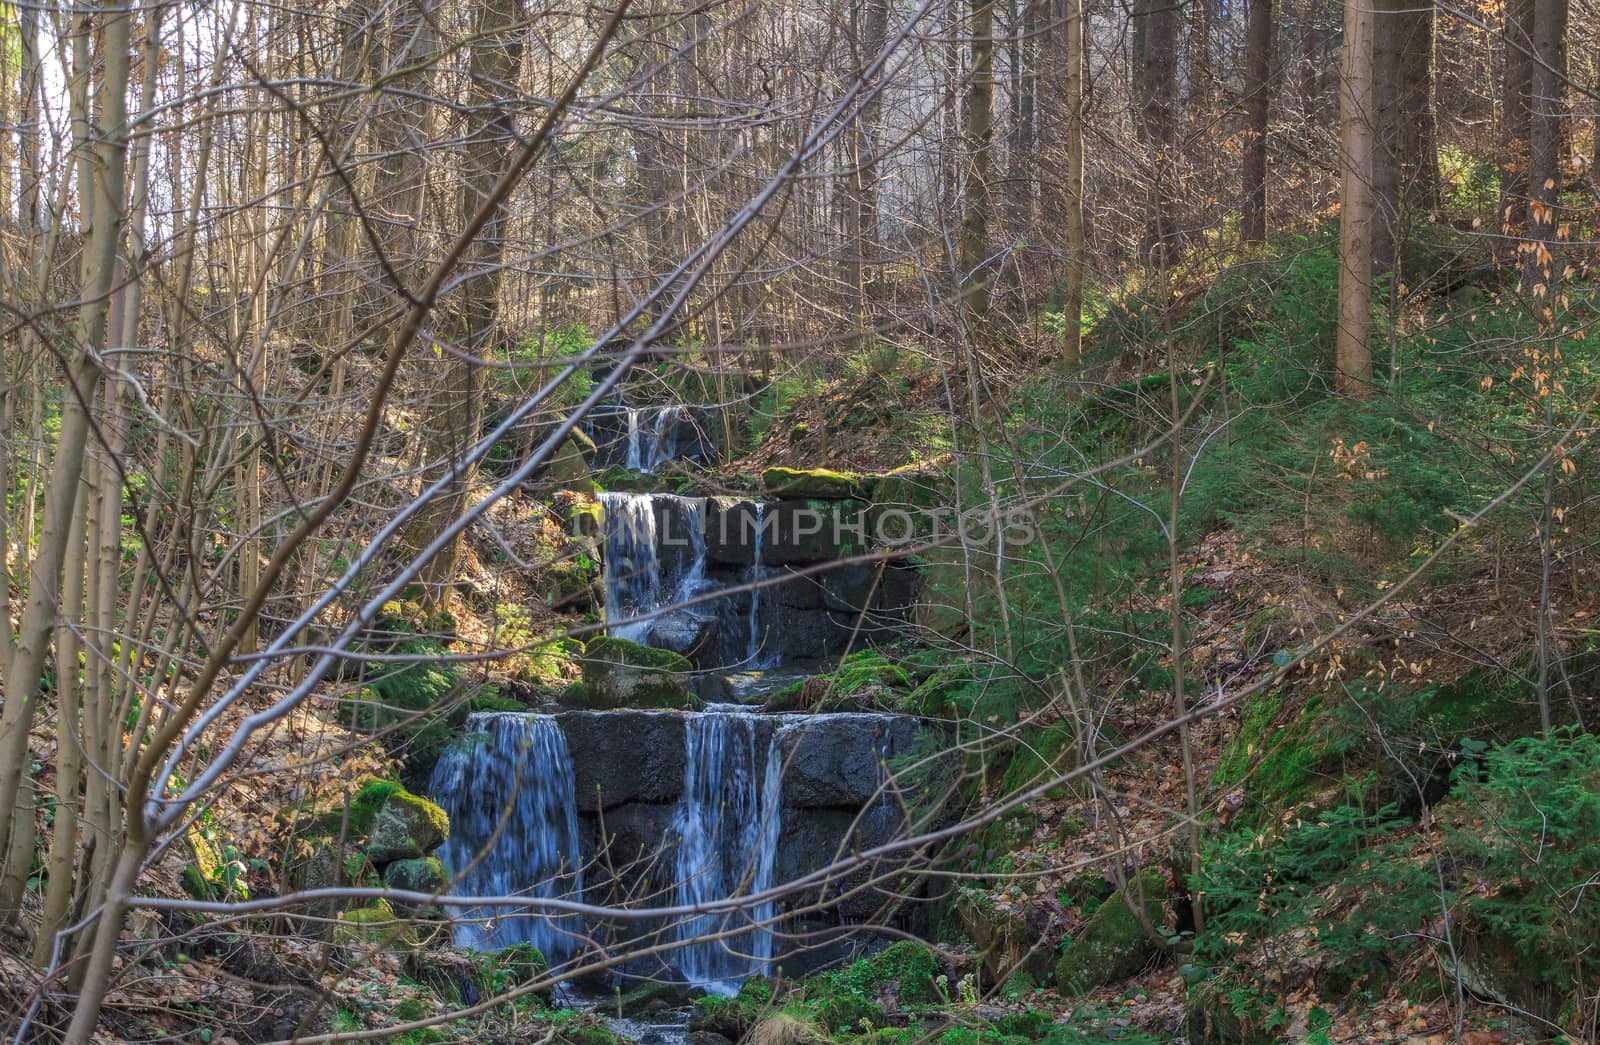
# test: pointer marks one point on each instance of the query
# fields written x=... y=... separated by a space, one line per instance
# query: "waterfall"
x=753 y=641
x=512 y=767
x=647 y=453
x=655 y=556
x=632 y=570
x=632 y=462
x=727 y=826
x=664 y=440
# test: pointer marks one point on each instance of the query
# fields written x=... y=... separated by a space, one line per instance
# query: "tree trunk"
x=1419 y=151
x=1384 y=124
x=456 y=410
x=1545 y=105
x=1257 y=102
x=1354 y=351
x=1077 y=248
x=1514 y=127
x=106 y=196
x=974 y=245
x=1158 y=61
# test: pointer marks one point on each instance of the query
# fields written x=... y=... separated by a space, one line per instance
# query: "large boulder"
x=406 y=827
x=568 y=468
x=1113 y=945
x=618 y=673
x=809 y=838
x=730 y=530
x=635 y=835
x=804 y=531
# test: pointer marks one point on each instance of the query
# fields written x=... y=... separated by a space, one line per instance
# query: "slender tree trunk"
x=1354 y=351
x=1257 y=103
x=1419 y=151
x=1384 y=124
x=974 y=244
x=1516 y=87
x=1077 y=247
x=103 y=236
x=1201 y=80
x=1545 y=107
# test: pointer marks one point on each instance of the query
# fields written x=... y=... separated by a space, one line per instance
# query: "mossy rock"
x=849 y=1012
x=490 y=700
x=648 y=996
x=587 y=1029
x=1112 y=945
x=730 y=1017
x=423 y=874
x=618 y=673
x=908 y=970
x=374 y=926
x=811 y=482
x=568 y=467
x=1005 y=941
x=1032 y=1024
x=867 y=679
x=406 y=827
x=416 y=706
x=518 y=965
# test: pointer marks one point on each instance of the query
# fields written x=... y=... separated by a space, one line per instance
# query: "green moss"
x=492 y=701
x=843 y=1012
x=409 y=1010
x=618 y=673
x=1032 y=1024
x=519 y=964
x=407 y=826
x=908 y=968
x=811 y=482
x=362 y=809
x=1112 y=945
x=1276 y=754
x=866 y=680
x=730 y=1017
x=418 y=875
x=416 y=703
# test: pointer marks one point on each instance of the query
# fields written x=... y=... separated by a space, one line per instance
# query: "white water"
x=632 y=570
x=663 y=437
x=514 y=768
x=655 y=557
x=727 y=826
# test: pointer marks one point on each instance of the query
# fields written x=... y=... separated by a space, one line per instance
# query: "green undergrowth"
x=1357 y=893
x=417 y=700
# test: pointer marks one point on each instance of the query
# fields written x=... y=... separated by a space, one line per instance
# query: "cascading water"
x=632 y=570
x=727 y=827
x=752 y=649
x=655 y=557
x=647 y=452
x=514 y=768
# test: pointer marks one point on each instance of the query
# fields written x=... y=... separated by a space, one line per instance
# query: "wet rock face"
x=621 y=757
x=835 y=761
x=629 y=769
